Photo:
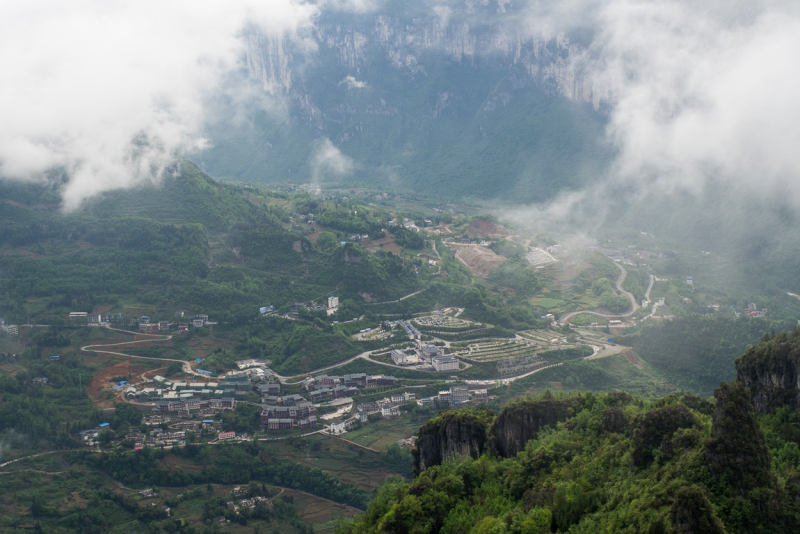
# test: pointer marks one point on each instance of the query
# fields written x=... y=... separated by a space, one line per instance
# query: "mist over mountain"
x=457 y=98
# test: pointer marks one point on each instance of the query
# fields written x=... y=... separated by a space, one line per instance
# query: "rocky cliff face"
x=521 y=421
x=771 y=371
x=414 y=46
x=466 y=433
x=453 y=434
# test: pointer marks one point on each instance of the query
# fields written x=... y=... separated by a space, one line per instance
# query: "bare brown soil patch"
x=204 y=346
x=386 y=243
x=478 y=228
x=479 y=260
x=173 y=462
x=10 y=369
x=632 y=358
x=75 y=500
x=97 y=386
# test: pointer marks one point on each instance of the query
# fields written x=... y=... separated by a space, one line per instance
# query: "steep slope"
x=417 y=100
x=452 y=435
x=771 y=370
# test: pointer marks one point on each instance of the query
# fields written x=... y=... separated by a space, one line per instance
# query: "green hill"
x=189 y=243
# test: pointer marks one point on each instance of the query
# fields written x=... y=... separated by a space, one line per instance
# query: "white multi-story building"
x=445 y=363
x=399 y=357
x=333 y=305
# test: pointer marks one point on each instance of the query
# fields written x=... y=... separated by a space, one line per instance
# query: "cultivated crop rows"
x=520 y=365
x=445 y=321
x=498 y=350
x=541 y=335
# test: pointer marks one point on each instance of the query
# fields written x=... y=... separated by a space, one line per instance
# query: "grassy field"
x=546 y=302
x=348 y=462
x=382 y=433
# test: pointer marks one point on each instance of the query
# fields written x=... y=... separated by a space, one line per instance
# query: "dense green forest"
x=696 y=352
x=616 y=463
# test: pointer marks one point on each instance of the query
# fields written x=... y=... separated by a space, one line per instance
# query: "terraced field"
x=495 y=350
x=511 y=357
x=547 y=336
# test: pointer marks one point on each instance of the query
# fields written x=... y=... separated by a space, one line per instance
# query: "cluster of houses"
x=287 y=412
x=295 y=411
x=331 y=306
x=387 y=407
x=289 y=417
x=10 y=329
x=331 y=387
x=247 y=503
x=143 y=323
x=186 y=407
x=431 y=355
x=156 y=438
x=235 y=386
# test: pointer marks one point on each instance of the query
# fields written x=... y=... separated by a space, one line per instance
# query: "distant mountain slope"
x=190 y=242
x=188 y=196
x=473 y=105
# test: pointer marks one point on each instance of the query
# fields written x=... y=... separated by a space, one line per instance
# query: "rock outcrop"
x=657 y=429
x=452 y=434
x=738 y=450
x=692 y=513
x=463 y=433
x=521 y=421
x=771 y=371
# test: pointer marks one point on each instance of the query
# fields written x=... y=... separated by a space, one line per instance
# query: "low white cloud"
x=327 y=160
x=702 y=93
x=108 y=92
x=352 y=6
x=699 y=96
x=352 y=83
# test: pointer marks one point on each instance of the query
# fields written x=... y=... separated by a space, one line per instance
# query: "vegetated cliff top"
x=603 y=463
x=771 y=370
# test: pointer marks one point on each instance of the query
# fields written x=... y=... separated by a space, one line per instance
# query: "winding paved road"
x=165 y=337
x=634 y=306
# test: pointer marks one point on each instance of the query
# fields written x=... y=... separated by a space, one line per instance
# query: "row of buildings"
x=387 y=407
x=355 y=380
x=143 y=323
x=235 y=386
x=186 y=406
